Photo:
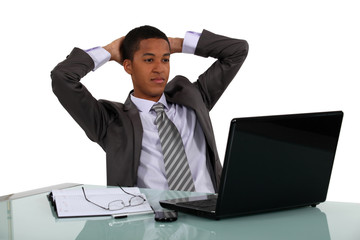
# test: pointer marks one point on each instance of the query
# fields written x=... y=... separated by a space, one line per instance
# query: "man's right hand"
x=114 y=49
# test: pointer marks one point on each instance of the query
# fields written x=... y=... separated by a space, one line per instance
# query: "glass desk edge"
x=37 y=191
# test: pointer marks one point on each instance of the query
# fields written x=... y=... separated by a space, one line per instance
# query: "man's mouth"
x=158 y=80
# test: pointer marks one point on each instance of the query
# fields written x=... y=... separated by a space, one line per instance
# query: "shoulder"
x=112 y=108
x=179 y=84
x=112 y=105
x=181 y=90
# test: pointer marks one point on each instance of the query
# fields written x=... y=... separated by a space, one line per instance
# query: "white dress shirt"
x=151 y=171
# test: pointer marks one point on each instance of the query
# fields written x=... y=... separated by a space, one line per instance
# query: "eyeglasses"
x=115 y=205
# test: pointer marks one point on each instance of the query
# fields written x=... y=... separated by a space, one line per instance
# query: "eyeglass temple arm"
x=92 y=201
x=131 y=193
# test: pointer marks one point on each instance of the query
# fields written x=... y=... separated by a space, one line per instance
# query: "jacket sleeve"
x=74 y=96
x=230 y=54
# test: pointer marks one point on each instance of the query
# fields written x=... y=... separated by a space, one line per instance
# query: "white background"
x=304 y=57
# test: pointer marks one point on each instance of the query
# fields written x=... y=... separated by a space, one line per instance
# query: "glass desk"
x=30 y=216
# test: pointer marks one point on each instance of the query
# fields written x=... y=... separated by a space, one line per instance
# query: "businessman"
x=162 y=136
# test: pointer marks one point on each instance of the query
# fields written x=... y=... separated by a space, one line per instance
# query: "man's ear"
x=127 y=66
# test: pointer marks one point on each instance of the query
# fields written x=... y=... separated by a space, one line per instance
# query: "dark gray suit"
x=117 y=127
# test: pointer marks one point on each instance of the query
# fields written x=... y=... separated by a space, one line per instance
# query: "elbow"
x=56 y=77
x=243 y=49
x=241 y=52
x=60 y=81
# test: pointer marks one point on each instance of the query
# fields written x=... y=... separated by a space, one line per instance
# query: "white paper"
x=72 y=203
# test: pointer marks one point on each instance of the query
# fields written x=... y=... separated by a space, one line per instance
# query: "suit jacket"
x=117 y=127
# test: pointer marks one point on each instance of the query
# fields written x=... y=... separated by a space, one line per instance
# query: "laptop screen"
x=278 y=162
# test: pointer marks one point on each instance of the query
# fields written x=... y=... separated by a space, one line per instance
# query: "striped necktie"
x=177 y=168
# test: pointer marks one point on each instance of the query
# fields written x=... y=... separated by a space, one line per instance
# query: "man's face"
x=149 y=68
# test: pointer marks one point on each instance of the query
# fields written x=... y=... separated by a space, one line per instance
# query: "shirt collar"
x=145 y=105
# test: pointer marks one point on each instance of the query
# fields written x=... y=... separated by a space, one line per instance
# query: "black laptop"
x=271 y=163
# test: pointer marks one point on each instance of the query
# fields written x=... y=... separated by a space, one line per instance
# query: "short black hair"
x=132 y=40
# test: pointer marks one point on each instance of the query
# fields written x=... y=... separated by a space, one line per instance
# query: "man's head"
x=132 y=40
x=146 y=54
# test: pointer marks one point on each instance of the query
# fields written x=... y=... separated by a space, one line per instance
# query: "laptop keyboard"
x=206 y=205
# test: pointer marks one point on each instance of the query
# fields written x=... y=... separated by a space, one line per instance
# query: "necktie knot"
x=159 y=110
x=158 y=107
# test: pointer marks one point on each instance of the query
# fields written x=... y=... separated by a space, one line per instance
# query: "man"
x=128 y=132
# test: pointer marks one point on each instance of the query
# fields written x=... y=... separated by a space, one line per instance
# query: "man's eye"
x=166 y=60
x=148 y=60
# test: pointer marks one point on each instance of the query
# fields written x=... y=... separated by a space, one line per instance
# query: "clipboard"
x=70 y=203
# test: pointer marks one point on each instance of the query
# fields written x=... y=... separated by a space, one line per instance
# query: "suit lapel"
x=134 y=117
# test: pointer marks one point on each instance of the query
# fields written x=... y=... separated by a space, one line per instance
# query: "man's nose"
x=158 y=66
